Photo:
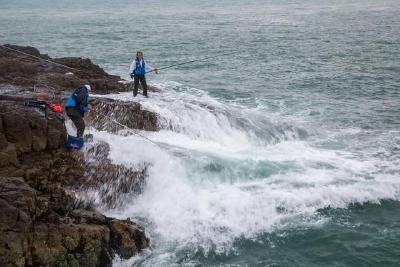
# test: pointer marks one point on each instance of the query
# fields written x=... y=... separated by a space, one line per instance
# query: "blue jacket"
x=83 y=106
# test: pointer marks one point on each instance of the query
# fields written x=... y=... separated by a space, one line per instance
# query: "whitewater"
x=220 y=172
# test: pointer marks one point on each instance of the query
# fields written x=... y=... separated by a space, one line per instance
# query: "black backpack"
x=80 y=95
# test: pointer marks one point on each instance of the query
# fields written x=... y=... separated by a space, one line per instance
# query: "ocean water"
x=286 y=153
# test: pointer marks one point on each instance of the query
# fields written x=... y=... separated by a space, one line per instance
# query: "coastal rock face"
x=21 y=69
x=42 y=223
x=24 y=130
x=47 y=217
x=43 y=229
x=113 y=115
x=112 y=183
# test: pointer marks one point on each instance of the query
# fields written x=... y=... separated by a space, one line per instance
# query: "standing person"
x=76 y=106
x=138 y=69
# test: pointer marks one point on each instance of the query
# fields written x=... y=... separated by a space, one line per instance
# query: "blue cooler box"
x=74 y=142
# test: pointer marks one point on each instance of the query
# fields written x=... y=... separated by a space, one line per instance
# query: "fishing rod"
x=135 y=132
x=191 y=61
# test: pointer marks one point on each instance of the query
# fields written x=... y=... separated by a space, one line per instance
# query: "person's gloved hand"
x=156 y=71
x=131 y=76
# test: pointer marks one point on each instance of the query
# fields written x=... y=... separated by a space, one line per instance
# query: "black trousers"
x=142 y=80
x=77 y=118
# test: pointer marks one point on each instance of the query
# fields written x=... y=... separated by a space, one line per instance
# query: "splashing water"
x=222 y=172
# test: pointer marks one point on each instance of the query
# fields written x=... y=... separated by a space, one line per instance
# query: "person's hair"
x=139 y=52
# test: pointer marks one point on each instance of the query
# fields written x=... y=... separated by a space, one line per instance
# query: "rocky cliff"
x=43 y=221
x=21 y=69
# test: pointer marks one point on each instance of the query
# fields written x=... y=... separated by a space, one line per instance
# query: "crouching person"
x=76 y=106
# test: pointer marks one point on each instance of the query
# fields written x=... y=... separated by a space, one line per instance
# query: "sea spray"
x=213 y=181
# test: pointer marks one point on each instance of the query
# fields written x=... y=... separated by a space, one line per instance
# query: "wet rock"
x=40 y=223
x=30 y=129
x=42 y=227
x=121 y=233
x=16 y=204
x=113 y=183
x=17 y=130
x=113 y=115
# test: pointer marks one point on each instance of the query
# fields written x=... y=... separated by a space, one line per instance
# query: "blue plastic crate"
x=74 y=142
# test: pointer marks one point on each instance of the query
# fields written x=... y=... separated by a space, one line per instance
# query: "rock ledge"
x=42 y=222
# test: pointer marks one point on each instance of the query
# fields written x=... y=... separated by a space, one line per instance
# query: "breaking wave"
x=220 y=171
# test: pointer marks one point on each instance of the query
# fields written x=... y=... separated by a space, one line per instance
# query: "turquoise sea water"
x=286 y=153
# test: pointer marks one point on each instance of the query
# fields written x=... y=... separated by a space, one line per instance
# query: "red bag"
x=56 y=107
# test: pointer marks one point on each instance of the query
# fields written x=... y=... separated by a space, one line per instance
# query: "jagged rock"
x=84 y=64
x=113 y=115
x=8 y=155
x=55 y=137
x=8 y=152
x=44 y=228
x=38 y=126
x=26 y=49
x=40 y=223
x=20 y=69
x=30 y=129
x=3 y=139
x=16 y=203
x=17 y=130
x=121 y=233
x=10 y=66
x=61 y=80
x=112 y=182
x=23 y=70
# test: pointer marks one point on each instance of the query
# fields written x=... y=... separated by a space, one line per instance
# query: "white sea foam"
x=186 y=205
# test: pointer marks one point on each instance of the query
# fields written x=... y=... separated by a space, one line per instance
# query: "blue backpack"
x=79 y=98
